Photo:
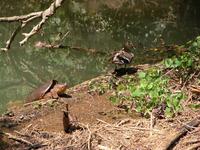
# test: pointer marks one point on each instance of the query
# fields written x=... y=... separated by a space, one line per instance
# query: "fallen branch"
x=10 y=136
x=23 y=141
x=172 y=140
x=41 y=44
x=8 y=122
x=25 y=19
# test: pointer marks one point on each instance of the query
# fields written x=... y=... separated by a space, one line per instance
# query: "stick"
x=151 y=124
x=89 y=138
x=20 y=140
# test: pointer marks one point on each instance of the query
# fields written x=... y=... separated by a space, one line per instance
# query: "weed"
x=37 y=105
x=189 y=59
x=98 y=87
x=152 y=91
x=194 y=106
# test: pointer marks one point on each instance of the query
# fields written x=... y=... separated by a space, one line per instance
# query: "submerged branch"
x=41 y=45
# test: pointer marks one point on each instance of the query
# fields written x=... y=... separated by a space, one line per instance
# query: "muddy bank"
x=103 y=125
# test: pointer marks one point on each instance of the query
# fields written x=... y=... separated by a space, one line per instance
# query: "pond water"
x=101 y=25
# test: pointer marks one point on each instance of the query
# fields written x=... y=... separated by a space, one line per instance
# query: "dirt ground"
x=101 y=125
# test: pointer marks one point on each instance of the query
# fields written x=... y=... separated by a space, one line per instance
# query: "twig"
x=127 y=128
x=151 y=123
x=101 y=147
x=122 y=122
x=193 y=142
x=195 y=89
x=89 y=138
x=104 y=122
x=66 y=34
x=194 y=147
x=10 y=136
x=187 y=125
x=41 y=101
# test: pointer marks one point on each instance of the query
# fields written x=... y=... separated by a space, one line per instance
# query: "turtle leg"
x=55 y=95
x=47 y=95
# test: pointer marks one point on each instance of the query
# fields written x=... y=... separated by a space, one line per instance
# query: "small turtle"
x=123 y=56
x=51 y=89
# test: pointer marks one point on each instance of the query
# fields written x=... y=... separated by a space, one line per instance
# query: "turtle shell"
x=41 y=91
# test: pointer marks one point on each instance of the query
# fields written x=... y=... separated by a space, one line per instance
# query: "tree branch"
x=45 y=16
x=9 y=42
x=20 y=18
x=25 y=19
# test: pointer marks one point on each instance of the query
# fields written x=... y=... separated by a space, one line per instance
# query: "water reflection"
x=101 y=25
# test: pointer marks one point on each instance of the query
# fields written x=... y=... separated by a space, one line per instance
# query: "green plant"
x=189 y=59
x=152 y=91
x=152 y=88
x=37 y=105
x=98 y=87
x=194 y=106
x=183 y=61
x=121 y=88
x=173 y=103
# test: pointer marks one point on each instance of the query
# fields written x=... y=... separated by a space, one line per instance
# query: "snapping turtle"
x=51 y=89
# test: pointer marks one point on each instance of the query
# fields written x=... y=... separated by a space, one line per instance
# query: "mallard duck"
x=123 y=56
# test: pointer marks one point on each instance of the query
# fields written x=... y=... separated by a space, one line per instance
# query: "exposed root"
x=172 y=140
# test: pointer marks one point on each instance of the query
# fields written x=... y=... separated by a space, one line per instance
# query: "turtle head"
x=60 y=88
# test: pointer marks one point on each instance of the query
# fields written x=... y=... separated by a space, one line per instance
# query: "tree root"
x=172 y=139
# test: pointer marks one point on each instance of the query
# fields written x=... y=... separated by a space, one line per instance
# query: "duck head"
x=128 y=45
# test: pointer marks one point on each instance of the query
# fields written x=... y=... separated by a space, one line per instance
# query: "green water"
x=101 y=25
